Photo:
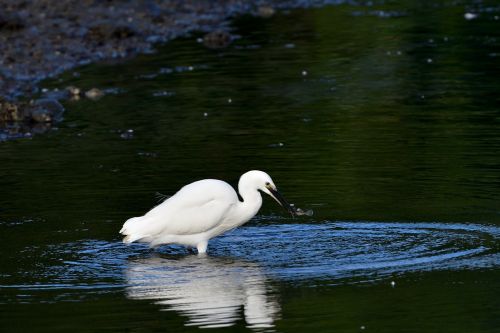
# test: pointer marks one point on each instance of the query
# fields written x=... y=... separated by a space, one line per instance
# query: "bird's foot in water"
x=202 y=247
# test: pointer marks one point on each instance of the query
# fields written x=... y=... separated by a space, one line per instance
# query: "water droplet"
x=290 y=46
x=147 y=154
x=229 y=100
x=429 y=60
x=362 y=327
x=205 y=114
x=165 y=70
x=470 y=16
x=266 y=11
x=128 y=134
x=304 y=73
x=94 y=94
x=393 y=284
x=148 y=76
x=163 y=93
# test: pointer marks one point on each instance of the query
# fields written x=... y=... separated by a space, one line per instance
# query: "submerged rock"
x=22 y=119
x=9 y=112
x=38 y=111
x=44 y=110
x=217 y=39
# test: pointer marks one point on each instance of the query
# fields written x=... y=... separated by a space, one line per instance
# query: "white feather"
x=198 y=212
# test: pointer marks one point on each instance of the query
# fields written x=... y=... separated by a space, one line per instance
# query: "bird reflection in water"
x=209 y=291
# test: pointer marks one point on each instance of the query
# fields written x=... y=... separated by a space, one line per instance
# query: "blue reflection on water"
x=333 y=251
x=233 y=282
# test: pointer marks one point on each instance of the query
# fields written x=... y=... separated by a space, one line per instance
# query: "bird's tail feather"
x=132 y=238
x=130 y=230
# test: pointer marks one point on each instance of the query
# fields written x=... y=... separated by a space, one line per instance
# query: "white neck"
x=252 y=201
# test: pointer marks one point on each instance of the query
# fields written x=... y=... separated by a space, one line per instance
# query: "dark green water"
x=383 y=119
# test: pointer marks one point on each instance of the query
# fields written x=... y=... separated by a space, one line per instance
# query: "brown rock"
x=9 y=112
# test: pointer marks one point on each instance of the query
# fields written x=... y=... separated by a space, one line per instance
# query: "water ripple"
x=337 y=250
x=332 y=251
x=211 y=291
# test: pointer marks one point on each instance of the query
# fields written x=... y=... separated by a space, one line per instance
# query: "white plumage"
x=202 y=210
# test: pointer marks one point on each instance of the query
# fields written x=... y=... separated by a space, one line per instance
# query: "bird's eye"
x=268 y=183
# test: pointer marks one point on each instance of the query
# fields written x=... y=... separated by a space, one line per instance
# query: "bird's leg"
x=191 y=250
x=202 y=247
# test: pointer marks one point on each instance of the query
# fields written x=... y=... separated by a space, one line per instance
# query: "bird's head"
x=263 y=182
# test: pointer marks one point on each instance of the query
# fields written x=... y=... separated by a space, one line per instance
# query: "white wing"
x=196 y=208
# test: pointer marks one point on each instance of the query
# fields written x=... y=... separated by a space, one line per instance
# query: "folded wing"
x=196 y=208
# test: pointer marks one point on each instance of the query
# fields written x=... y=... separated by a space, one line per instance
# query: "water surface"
x=383 y=119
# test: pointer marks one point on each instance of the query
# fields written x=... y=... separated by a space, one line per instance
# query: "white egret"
x=202 y=210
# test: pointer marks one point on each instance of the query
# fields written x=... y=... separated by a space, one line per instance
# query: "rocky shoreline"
x=41 y=39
